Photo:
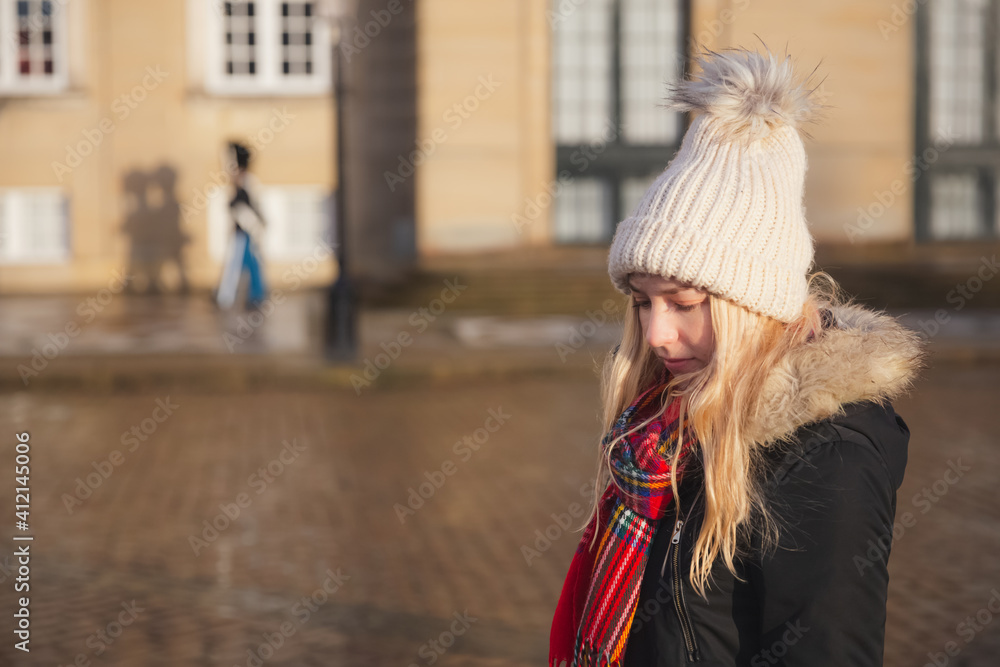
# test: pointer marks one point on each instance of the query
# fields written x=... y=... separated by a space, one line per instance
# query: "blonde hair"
x=720 y=401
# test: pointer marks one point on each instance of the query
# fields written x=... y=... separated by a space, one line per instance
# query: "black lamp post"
x=340 y=325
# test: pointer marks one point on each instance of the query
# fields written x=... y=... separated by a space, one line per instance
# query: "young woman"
x=752 y=456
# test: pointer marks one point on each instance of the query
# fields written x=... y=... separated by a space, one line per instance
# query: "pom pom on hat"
x=748 y=94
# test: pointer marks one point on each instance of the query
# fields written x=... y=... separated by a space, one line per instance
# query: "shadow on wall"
x=153 y=226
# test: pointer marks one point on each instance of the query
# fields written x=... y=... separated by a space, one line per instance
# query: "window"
x=297 y=219
x=34 y=226
x=33 y=52
x=958 y=120
x=581 y=211
x=296 y=38
x=238 y=22
x=612 y=60
x=266 y=47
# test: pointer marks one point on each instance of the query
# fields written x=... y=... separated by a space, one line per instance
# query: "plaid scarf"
x=598 y=600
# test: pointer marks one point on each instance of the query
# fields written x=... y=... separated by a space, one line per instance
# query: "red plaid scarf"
x=594 y=614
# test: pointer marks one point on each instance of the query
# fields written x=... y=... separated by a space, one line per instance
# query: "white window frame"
x=11 y=80
x=14 y=219
x=268 y=79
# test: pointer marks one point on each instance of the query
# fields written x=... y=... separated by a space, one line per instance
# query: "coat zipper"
x=682 y=614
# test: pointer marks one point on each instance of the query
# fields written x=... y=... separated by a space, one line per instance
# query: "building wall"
x=862 y=143
x=158 y=124
x=484 y=109
x=488 y=166
x=482 y=152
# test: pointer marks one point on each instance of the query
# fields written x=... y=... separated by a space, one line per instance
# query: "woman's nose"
x=662 y=329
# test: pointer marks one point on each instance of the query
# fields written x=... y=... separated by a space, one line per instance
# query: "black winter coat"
x=838 y=458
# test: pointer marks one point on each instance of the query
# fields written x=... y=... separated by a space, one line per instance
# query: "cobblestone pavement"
x=322 y=563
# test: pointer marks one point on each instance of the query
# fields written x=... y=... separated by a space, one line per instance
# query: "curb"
x=249 y=374
x=210 y=375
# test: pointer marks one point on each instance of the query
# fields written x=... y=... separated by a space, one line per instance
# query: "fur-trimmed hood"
x=862 y=355
x=831 y=492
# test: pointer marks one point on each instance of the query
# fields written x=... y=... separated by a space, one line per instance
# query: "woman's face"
x=676 y=321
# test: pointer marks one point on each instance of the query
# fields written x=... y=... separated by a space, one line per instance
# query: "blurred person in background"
x=243 y=255
x=751 y=454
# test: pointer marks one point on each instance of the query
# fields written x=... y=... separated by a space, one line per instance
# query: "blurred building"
x=472 y=125
x=114 y=118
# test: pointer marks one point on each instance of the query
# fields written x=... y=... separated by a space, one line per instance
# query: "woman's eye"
x=680 y=307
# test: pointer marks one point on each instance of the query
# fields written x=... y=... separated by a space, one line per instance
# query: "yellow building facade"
x=471 y=126
x=490 y=184
x=119 y=166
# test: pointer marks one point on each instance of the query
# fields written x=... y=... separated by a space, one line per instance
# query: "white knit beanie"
x=727 y=215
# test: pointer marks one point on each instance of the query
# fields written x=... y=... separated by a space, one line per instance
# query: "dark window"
x=612 y=60
x=35 y=38
x=958 y=120
x=240 y=38
x=296 y=37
